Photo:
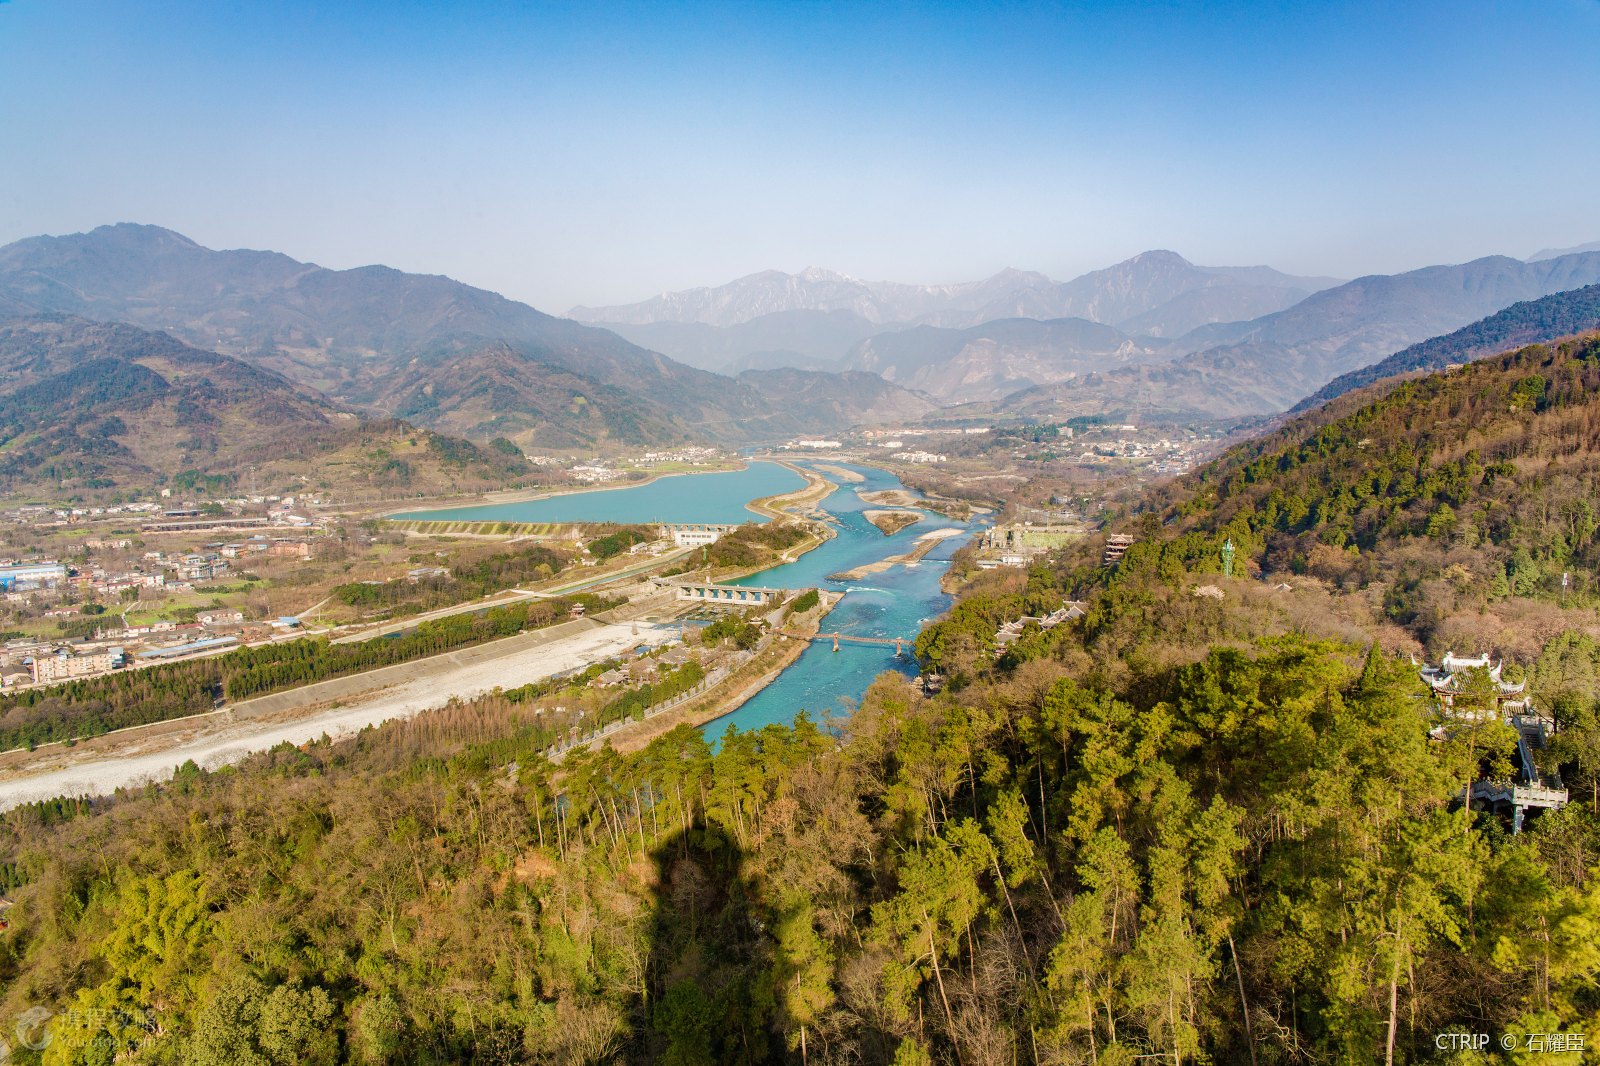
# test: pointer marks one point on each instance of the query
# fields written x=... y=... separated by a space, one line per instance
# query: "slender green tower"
x=1227 y=558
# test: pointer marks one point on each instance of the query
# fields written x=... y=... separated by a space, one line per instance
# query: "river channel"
x=894 y=603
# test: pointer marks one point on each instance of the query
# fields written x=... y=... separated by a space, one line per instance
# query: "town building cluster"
x=105 y=641
x=597 y=473
x=887 y=439
x=26 y=661
x=45 y=515
x=691 y=454
x=1174 y=456
x=689 y=535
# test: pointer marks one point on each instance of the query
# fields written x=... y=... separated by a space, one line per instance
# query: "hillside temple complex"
x=1529 y=790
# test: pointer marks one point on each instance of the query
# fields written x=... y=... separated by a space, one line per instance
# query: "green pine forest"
x=1189 y=829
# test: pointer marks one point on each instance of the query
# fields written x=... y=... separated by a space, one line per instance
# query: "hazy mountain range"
x=998 y=358
x=962 y=342
x=819 y=319
x=387 y=343
x=1557 y=253
x=1143 y=287
x=810 y=339
x=1154 y=337
x=1275 y=361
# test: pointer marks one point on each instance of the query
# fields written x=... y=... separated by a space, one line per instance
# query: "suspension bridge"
x=901 y=645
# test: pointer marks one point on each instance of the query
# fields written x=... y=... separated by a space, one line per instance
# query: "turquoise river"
x=893 y=603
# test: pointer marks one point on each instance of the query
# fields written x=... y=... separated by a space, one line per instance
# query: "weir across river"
x=729 y=595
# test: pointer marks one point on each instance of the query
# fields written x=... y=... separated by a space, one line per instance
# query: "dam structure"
x=729 y=595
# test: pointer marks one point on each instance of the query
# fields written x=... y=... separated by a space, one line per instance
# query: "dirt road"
x=135 y=756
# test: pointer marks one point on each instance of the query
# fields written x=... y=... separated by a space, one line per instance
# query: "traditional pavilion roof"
x=1447 y=676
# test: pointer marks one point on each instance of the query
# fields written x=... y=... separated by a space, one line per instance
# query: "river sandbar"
x=891 y=522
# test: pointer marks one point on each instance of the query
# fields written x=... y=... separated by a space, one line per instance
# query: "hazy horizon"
x=566 y=156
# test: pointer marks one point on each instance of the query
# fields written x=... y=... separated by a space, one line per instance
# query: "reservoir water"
x=682 y=498
x=894 y=603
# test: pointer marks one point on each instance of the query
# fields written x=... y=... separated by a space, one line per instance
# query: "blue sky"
x=603 y=152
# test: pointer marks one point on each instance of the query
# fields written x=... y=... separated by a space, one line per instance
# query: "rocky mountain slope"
x=1528 y=322
x=815 y=400
x=90 y=406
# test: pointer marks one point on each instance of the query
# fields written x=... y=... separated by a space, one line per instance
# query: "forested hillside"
x=1188 y=828
x=1450 y=493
